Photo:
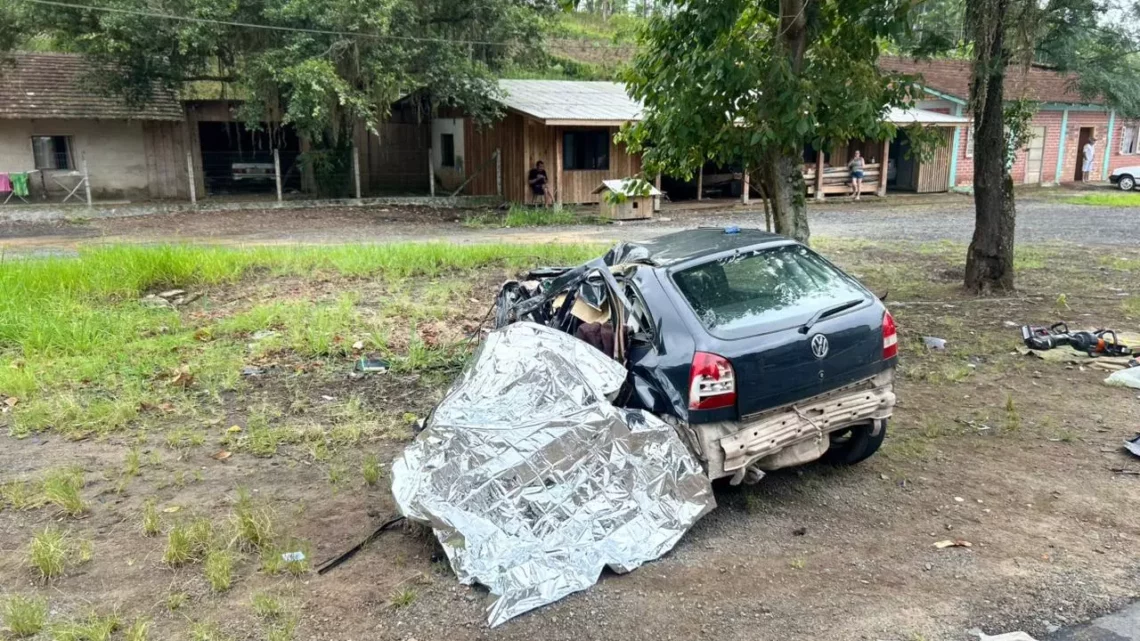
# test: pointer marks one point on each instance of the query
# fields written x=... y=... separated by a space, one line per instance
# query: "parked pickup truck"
x=760 y=352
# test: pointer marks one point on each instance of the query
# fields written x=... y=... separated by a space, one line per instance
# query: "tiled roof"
x=952 y=77
x=555 y=101
x=55 y=85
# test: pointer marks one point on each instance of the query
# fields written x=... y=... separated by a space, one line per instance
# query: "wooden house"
x=569 y=125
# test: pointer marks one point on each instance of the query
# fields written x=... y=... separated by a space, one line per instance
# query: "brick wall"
x=1051 y=121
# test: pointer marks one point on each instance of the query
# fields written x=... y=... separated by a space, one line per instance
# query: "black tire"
x=1127 y=183
x=855 y=444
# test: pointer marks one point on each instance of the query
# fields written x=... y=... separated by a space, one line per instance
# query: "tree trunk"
x=989 y=262
x=783 y=181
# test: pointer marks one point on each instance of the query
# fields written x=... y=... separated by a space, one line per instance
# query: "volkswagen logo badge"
x=819 y=345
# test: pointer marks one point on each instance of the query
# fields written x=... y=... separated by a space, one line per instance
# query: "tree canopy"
x=317 y=64
x=741 y=81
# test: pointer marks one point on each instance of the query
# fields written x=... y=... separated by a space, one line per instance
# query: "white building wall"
x=116 y=158
x=453 y=126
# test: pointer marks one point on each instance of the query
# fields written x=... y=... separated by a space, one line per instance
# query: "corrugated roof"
x=566 y=101
x=906 y=117
x=952 y=77
x=55 y=85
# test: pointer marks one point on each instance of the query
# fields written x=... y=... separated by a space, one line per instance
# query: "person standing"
x=1088 y=153
x=856 y=166
x=537 y=180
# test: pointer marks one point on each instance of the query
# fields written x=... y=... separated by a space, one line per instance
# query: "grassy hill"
x=582 y=46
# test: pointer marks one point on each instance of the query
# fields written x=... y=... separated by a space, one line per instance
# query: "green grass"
x=86 y=359
x=267 y=606
x=254 y=524
x=371 y=470
x=402 y=597
x=219 y=569
x=48 y=552
x=138 y=630
x=23 y=616
x=1118 y=199
x=61 y=488
x=92 y=628
x=521 y=216
x=151 y=522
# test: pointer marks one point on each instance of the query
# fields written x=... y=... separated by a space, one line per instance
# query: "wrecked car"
x=761 y=353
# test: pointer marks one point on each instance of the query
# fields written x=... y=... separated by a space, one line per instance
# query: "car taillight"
x=890 y=337
x=712 y=383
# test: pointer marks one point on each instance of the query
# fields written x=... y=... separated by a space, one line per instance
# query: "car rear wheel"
x=1127 y=183
x=854 y=444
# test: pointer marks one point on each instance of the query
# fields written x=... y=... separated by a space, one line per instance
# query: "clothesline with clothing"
x=16 y=184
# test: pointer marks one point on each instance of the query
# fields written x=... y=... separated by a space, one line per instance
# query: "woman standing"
x=856 y=167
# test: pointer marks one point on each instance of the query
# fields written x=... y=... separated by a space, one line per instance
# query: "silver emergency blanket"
x=534 y=482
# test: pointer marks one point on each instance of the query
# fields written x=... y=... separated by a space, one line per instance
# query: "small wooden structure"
x=627 y=199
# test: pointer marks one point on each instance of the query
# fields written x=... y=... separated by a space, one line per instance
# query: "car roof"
x=683 y=246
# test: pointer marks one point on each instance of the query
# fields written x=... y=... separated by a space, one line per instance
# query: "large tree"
x=1096 y=42
x=753 y=82
x=320 y=65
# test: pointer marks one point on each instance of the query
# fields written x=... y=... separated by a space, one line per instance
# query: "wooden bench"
x=837 y=180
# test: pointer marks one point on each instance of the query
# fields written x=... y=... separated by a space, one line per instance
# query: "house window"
x=447 y=149
x=587 y=149
x=1129 y=142
x=970 y=142
x=52 y=152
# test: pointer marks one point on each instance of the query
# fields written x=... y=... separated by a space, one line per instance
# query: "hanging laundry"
x=5 y=182
x=20 y=185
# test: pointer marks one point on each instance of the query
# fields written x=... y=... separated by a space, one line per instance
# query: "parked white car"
x=1125 y=177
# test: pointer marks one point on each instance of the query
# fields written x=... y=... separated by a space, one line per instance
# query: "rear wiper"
x=828 y=311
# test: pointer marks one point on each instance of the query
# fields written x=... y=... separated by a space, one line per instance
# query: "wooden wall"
x=396 y=161
x=523 y=143
x=165 y=146
x=934 y=176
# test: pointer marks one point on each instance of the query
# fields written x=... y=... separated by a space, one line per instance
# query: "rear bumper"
x=792 y=434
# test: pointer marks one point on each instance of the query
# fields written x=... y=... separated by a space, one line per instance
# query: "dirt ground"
x=1009 y=453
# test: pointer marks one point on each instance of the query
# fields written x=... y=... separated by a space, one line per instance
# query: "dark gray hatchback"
x=762 y=353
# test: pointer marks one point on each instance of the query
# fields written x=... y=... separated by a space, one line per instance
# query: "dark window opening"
x=52 y=152
x=586 y=150
x=447 y=149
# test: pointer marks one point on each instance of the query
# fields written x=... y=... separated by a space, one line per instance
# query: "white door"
x=1036 y=156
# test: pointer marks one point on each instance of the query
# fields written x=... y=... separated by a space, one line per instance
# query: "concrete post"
x=431 y=172
x=700 y=182
x=86 y=180
x=277 y=171
x=356 y=169
x=744 y=195
x=190 y=174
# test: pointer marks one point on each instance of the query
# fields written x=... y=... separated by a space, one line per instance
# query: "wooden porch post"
x=700 y=181
x=558 y=184
x=819 y=175
x=882 y=191
x=525 y=159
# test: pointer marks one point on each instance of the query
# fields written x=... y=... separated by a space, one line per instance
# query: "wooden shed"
x=569 y=125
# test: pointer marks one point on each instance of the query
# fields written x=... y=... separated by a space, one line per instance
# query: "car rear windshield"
x=766 y=290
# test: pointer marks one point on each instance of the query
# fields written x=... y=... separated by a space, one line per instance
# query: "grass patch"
x=138 y=630
x=92 y=628
x=267 y=606
x=522 y=216
x=1119 y=199
x=207 y=631
x=48 y=552
x=19 y=495
x=219 y=569
x=370 y=470
x=23 y=616
x=273 y=558
x=151 y=522
x=176 y=600
x=188 y=542
x=61 y=488
x=254 y=524
x=402 y=597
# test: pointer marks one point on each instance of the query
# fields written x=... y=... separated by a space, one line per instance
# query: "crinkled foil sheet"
x=534 y=482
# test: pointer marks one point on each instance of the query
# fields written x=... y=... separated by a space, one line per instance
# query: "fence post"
x=277 y=171
x=356 y=169
x=190 y=173
x=499 y=172
x=431 y=171
x=747 y=187
x=700 y=182
x=86 y=180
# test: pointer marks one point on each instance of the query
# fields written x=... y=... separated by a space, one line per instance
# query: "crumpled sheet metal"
x=534 y=482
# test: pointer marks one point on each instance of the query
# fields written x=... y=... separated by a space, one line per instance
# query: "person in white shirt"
x=1087 y=159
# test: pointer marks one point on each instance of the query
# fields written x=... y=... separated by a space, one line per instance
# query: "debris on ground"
x=1008 y=636
x=1103 y=349
x=534 y=482
x=172 y=298
x=252 y=371
x=371 y=365
x=933 y=343
x=1133 y=445
x=293 y=557
x=1129 y=377
x=953 y=543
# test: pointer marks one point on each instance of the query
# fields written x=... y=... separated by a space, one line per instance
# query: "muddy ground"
x=1014 y=455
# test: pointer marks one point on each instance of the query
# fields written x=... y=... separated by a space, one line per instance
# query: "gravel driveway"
x=928 y=219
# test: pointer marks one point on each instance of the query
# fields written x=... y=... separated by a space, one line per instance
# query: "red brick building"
x=1064 y=122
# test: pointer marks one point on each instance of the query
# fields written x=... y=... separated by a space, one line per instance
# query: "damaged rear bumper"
x=793 y=434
